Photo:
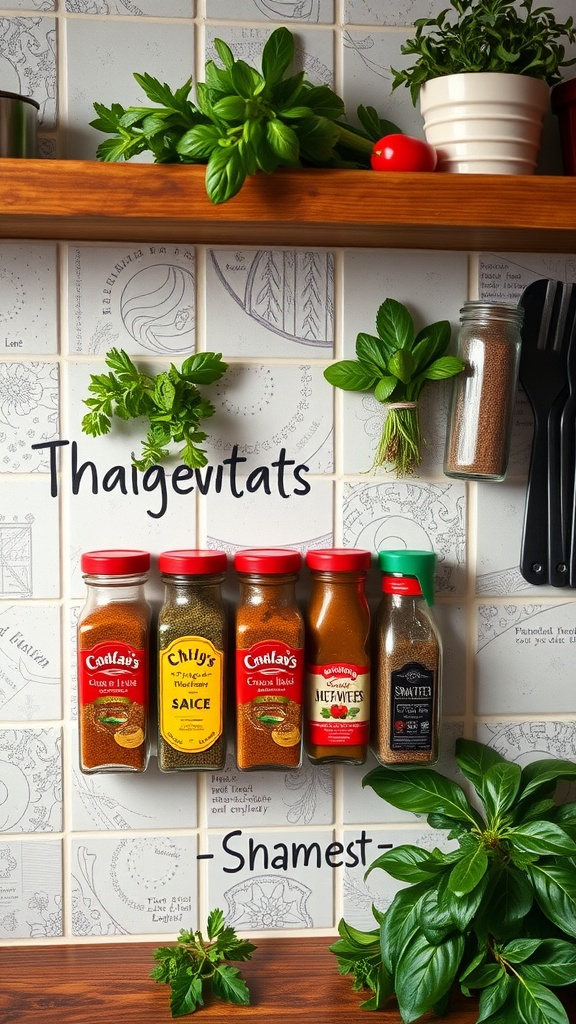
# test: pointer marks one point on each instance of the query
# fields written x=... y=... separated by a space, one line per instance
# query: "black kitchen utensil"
x=543 y=375
x=561 y=445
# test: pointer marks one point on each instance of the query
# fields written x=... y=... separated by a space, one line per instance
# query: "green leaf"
x=536 y=1004
x=225 y=174
x=555 y=889
x=245 y=79
x=224 y=52
x=408 y=864
x=493 y=998
x=385 y=388
x=507 y=900
x=350 y=376
x=443 y=368
x=541 y=837
x=482 y=975
x=500 y=787
x=425 y=972
x=186 y=995
x=277 y=55
x=317 y=137
x=215 y=923
x=283 y=141
x=422 y=791
x=542 y=773
x=204 y=367
x=518 y=950
x=229 y=985
x=374 y=125
x=399 y=922
x=401 y=364
x=231 y=109
x=553 y=962
x=199 y=142
x=475 y=759
x=395 y=324
x=373 y=352
x=468 y=872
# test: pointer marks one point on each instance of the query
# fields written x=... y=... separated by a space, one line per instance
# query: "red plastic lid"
x=192 y=562
x=407 y=585
x=268 y=560
x=115 y=562
x=339 y=559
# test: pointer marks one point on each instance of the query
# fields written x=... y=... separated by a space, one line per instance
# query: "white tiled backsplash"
x=114 y=856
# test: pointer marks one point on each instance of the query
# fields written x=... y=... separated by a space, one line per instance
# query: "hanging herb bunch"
x=394 y=366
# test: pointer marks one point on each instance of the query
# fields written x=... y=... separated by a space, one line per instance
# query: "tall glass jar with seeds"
x=407 y=660
x=191 y=662
x=113 y=662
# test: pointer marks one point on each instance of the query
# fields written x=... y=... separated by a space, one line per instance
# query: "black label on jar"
x=412 y=704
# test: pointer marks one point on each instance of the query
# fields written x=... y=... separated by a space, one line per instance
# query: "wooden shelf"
x=88 y=200
x=291 y=981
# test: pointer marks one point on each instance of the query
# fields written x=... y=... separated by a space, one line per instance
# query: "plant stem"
x=351 y=140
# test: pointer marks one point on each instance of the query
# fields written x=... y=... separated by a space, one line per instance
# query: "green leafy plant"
x=197 y=965
x=497 y=914
x=395 y=366
x=171 y=402
x=243 y=121
x=487 y=35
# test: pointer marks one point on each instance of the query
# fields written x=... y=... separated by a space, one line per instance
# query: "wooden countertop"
x=291 y=980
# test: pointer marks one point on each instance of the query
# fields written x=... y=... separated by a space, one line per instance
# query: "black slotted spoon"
x=543 y=376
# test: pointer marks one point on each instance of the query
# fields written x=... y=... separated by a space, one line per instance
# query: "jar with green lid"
x=407 y=661
x=191 y=662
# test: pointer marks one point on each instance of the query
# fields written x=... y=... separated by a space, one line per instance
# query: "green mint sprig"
x=394 y=366
x=243 y=121
x=197 y=965
x=496 y=915
x=170 y=401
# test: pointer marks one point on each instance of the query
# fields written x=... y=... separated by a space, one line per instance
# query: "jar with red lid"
x=191 y=661
x=337 y=715
x=269 y=660
x=113 y=662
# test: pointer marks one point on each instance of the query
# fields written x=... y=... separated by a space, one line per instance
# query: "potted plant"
x=483 y=78
x=495 y=914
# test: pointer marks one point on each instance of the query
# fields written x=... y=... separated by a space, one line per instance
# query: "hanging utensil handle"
x=558 y=468
x=534 y=549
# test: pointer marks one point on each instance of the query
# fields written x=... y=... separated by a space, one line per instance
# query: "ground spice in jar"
x=113 y=658
x=337 y=727
x=191 y=662
x=269 y=660
x=482 y=403
x=407 y=661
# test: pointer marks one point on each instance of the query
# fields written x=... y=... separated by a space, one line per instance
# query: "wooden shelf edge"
x=88 y=200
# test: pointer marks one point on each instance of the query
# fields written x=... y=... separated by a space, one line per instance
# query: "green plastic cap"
x=420 y=564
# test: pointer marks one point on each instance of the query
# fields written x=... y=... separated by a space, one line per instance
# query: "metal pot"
x=18 y=125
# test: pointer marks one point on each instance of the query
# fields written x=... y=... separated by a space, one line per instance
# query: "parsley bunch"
x=243 y=121
x=195 y=965
x=170 y=401
x=496 y=915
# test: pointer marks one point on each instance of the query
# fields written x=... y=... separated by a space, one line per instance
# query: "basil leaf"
x=422 y=791
x=224 y=52
x=225 y=173
x=401 y=364
x=541 y=773
x=474 y=759
x=555 y=890
x=518 y=950
x=376 y=127
x=399 y=922
x=385 y=388
x=245 y=79
x=436 y=921
x=373 y=352
x=317 y=137
x=283 y=141
x=425 y=972
x=535 y=1002
x=507 y=900
x=552 y=963
x=395 y=324
x=324 y=102
x=430 y=343
x=493 y=998
x=350 y=376
x=277 y=55
x=231 y=109
x=200 y=141
x=541 y=837
x=483 y=975
x=500 y=787
x=408 y=864
x=468 y=872
x=442 y=369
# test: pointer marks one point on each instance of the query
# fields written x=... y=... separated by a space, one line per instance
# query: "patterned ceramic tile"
x=269 y=881
x=261 y=519
x=368 y=57
x=302 y=797
x=451 y=619
x=29 y=406
x=133 y=886
x=31 y=773
x=153 y=8
x=28 y=316
x=393 y=12
x=530 y=740
x=285 y=11
x=314 y=51
x=264 y=408
x=139 y=298
x=270 y=303
x=28 y=61
x=30 y=889
x=30 y=662
x=28 y=564
x=379 y=889
x=126 y=46
x=114 y=802
x=502 y=277
x=528 y=646
x=27 y=5
x=414 y=515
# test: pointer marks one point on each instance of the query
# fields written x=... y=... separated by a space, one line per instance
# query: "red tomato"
x=403 y=153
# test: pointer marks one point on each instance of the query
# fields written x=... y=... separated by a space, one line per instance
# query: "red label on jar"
x=338 y=705
x=112 y=669
x=269 y=668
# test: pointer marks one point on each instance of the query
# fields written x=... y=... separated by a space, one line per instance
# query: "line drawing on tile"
x=103 y=810
x=30 y=786
x=157 y=308
x=522 y=742
x=495 y=620
x=362 y=48
x=29 y=410
x=103 y=7
x=28 y=62
x=267 y=902
x=289 y=293
x=307 y=783
x=16 y=557
x=89 y=915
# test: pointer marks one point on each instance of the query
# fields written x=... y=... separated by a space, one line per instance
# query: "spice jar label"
x=269 y=688
x=191 y=684
x=338 y=704
x=113 y=687
x=412 y=704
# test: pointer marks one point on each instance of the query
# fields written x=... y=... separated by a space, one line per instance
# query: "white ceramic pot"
x=485 y=122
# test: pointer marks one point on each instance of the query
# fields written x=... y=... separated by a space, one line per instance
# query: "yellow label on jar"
x=190 y=693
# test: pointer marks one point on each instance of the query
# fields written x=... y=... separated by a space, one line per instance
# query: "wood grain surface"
x=292 y=981
x=76 y=199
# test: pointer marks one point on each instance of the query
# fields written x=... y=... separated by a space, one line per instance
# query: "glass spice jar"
x=407 y=661
x=482 y=401
x=113 y=659
x=191 y=662
x=337 y=716
x=269 y=660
